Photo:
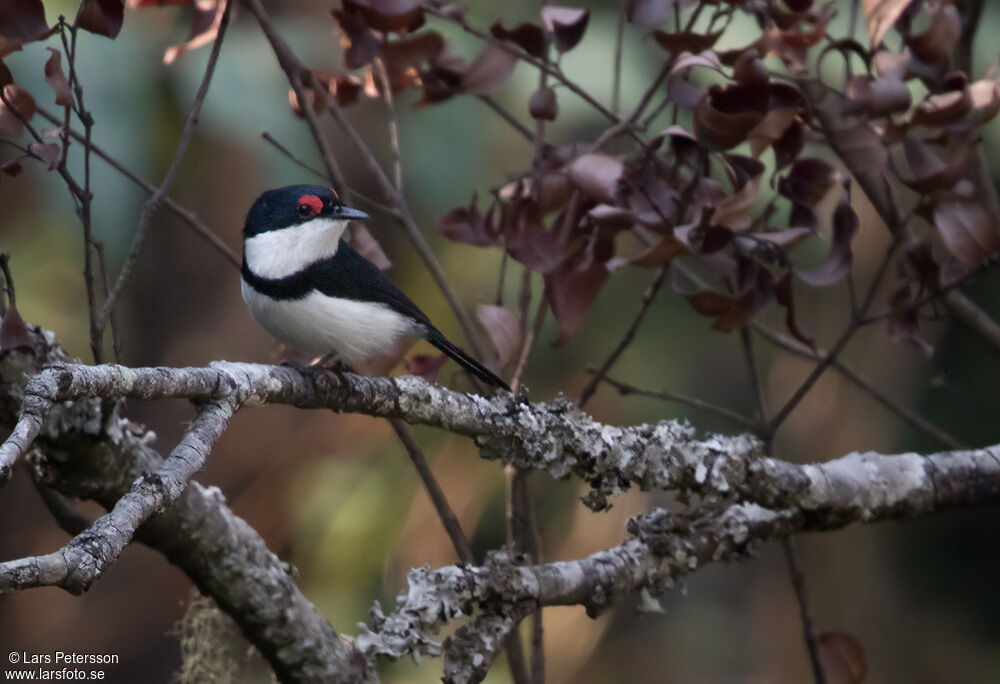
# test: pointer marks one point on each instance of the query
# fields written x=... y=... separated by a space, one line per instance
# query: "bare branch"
x=153 y=203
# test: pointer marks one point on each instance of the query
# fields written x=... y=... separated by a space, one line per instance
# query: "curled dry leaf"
x=489 y=71
x=677 y=43
x=47 y=152
x=14 y=334
x=930 y=173
x=598 y=175
x=543 y=104
x=469 y=225
x=23 y=20
x=985 y=98
x=23 y=105
x=967 y=230
x=503 y=328
x=682 y=93
x=725 y=116
x=55 y=77
x=840 y=655
x=571 y=290
x=11 y=168
x=103 y=17
x=880 y=15
x=527 y=36
x=527 y=239
x=862 y=149
x=566 y=24
x=359 y=43
x=770 y=129
x=938 y=41
x=838 y=263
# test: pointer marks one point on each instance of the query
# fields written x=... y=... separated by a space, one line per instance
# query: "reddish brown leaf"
x=55 y=77
x=14 y=334
x=598 y=175
x=468 y=225
x=677 y=43
x=48 y=153
x=412 y=51
x=967 y=231
x=527 y=239
x=725 y=116
x=770 y=129
x=840 y=259
x=359 y=43
x=809 y=181
x=985 y=98
x=840 y=655
x=566 y=24
x=103 y=17
x=503 y=328
x=784 y=297
x=529 y=37
x=943 y=109
x=400 y=16
x=22 y=20
x=23 y=103
x=543 y=104
x=938 y=41
x=862 y=149
x=489 y=71
x=930 y=173
x=663 y=252
x=682 y=93
x=571 y=291
x=788 y=147
x=881 y=15
x=12 y=167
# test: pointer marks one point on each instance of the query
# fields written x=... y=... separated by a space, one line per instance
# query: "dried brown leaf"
x=103 y=17
x=22 y=20
x=23 y=103
x=566 y=24
x=967 y=231
x=881 y=15
x=503 y=328
x=489 y=71
x=840 y=655
x=55 y=77
x=527 y=36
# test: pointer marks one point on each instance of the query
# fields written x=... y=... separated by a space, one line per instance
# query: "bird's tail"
x=435 y=337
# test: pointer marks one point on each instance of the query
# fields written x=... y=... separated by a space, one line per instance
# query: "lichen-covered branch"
x=82 y=453
x=81 y=561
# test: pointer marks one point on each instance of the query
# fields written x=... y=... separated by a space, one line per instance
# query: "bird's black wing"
x=349 y=275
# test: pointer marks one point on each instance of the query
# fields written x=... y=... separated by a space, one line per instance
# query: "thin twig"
x=397 y=157
x=799 y=584
x=444 y=510
x=189 y=217
x=616 y=82
x=908 y=415
x=506 y=116
x=625 y=389
x=644 y=305
x=153 y=203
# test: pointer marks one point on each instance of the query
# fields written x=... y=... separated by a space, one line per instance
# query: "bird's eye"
x=305 y=210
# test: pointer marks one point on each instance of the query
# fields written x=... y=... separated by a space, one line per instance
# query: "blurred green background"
x=335 y=496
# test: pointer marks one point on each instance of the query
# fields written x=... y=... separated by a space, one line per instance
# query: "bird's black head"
x=294 y=205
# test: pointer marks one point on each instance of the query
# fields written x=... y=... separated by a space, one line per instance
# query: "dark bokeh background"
x=335 y=496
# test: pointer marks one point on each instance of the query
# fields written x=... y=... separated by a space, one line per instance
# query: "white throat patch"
x=280 y=253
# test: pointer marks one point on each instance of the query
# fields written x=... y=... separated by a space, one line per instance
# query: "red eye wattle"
x=310 y=203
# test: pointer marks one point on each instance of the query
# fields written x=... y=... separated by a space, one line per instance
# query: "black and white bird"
x=312 y=291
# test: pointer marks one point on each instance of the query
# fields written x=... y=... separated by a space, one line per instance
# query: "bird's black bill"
x=352 y=214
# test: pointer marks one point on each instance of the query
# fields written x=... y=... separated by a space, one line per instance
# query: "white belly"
x=317 y=324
